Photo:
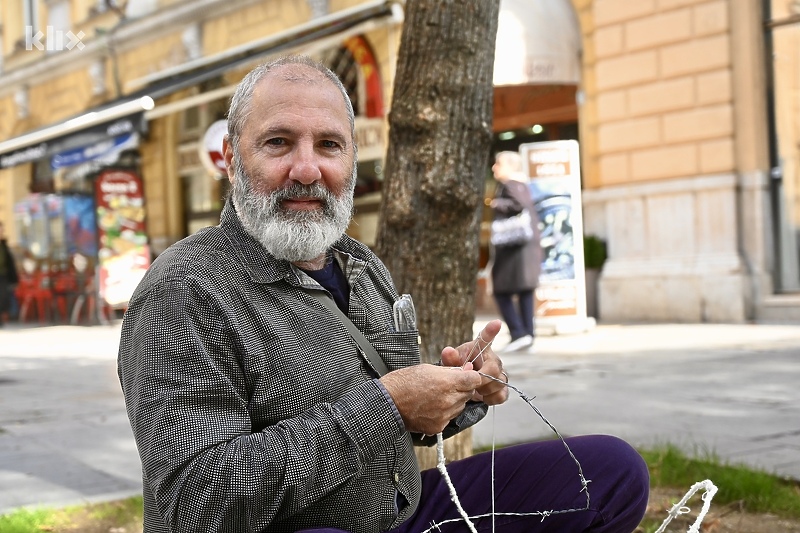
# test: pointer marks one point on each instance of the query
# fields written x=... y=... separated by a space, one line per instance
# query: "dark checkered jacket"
x=252 y=406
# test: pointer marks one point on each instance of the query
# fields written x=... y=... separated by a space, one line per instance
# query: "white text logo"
x=54 y=40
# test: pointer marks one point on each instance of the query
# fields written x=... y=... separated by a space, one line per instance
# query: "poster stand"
x=553 y=168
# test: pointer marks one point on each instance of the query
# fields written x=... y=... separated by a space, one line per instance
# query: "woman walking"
x=515 y=268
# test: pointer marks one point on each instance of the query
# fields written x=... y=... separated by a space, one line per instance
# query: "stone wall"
x=662 y=180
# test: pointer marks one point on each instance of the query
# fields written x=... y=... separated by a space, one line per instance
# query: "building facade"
x=686 y=111
x=687 y=174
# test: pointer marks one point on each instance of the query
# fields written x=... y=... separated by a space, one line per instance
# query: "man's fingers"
x=483 y=342
x=470 y=380
x=490 y=331
x=487 y=335
x=451 y=357
x=470 y=352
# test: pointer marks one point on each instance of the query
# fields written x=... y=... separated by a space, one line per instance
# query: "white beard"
x=292 y=235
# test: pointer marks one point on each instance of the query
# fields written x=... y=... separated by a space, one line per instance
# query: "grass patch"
x=119 y=512
x=757 y=491
x=25 y=521
x=121 y=516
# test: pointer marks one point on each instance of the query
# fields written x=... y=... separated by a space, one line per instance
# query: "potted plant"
x=595 y=254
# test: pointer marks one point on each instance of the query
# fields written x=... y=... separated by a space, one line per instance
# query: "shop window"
x=512 y=139
x=370 y=177
x=190 y=124
x=203 y=193
x=203 y=198
x=568 y=132
x=43 y=177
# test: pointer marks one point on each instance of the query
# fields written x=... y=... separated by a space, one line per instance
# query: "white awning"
x=538 y=42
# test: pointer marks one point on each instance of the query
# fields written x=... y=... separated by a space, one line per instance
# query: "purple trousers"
x=538 y=476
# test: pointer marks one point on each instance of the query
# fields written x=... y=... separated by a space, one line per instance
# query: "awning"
x=538 y=42
x=194 y=72
x=85 y=130
x=103 y=123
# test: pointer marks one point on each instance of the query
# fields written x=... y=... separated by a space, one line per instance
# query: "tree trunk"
x=439 y=141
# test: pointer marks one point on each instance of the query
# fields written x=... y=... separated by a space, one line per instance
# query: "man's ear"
x=227 y=152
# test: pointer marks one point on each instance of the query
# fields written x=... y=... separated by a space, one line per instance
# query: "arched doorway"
x=537 y=74
x=537 y=70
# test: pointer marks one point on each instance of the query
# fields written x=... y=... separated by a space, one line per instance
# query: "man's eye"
x=276 y=141
x=330 y=144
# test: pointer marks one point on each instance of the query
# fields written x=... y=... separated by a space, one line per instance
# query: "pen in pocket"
x=405 y=316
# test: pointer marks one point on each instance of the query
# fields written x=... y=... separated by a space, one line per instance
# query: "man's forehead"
x=297 y=73
x=303 y=75
x=267 y=91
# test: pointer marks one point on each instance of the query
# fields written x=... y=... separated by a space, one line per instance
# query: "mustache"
x=316 y=191
x=296 y=190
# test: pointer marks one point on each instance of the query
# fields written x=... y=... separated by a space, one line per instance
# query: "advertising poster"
x=554 y=171
x=123 y=254
x=80 y=224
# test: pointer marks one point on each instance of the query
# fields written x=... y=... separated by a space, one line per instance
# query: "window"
x=58 y=16
x=139 y=8
x=30 y=14
x=58 y=25
x=29 y=26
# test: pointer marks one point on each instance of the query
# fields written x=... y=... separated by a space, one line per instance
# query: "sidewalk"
x=727 y=389
x=722 y=389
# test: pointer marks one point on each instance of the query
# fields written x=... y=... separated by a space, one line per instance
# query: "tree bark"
x=436 y=165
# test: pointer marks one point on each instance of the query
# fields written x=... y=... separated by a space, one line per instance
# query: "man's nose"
x=305 y=165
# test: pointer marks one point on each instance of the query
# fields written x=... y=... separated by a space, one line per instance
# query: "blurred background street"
x=661 y=148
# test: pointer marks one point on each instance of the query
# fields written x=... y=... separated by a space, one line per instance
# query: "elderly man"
x=257 y=406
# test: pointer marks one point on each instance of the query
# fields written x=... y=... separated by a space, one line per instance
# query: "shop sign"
x=370 y=138
x=554 y=171
x=123 y=255
x=210 y=149
x=68 y=143
x=95 y=151
x=24 y=155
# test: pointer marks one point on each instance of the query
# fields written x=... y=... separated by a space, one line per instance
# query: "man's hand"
x=478 y=355
x=429 y=396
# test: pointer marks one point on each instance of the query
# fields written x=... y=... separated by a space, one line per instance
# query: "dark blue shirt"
x=333 y=280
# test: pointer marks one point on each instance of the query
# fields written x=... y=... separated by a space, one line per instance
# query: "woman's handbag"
x=512 y=231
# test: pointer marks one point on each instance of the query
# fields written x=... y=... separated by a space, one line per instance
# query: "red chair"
x=34 y=293
x=65 y=291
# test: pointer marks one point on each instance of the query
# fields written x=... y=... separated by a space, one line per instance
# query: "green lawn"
x=758 y=492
